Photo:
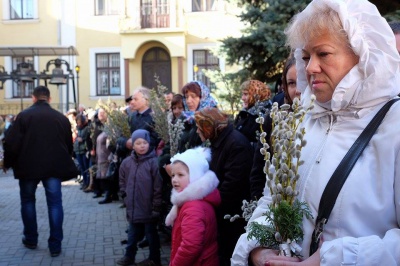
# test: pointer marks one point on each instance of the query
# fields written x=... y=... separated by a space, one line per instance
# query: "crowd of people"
x=343 y=53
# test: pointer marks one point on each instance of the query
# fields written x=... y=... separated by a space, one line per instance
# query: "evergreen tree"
x=388 y=8
x=261 y=49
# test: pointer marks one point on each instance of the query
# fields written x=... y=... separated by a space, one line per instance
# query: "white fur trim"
x=173 y=213
x=194 y=191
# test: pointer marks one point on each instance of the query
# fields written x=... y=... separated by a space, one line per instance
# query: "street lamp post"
x=195 y=69
x=77 y=69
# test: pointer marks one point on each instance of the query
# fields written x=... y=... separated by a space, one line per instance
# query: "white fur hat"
x=196 y=160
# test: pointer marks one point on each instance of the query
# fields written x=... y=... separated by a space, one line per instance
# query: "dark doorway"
x=156 y=61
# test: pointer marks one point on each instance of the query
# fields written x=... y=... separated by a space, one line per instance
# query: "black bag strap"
x=341 y=173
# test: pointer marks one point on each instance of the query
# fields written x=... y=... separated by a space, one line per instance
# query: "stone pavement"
x=92 y=232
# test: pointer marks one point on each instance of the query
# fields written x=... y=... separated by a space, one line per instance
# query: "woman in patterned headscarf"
x=196 y=96
x=256 y=98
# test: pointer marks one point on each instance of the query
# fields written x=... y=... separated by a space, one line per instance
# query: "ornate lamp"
x=195 y=69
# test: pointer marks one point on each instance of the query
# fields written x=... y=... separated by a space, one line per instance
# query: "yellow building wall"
x=105 y=31
x=41 y=32
x=211 y=26
x=135 y=46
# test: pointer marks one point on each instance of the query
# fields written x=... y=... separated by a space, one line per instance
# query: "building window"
x=21 y=89
x=204 y=5
x=108 y=74
x=204 y=59
x=155 y=13
x=106 y=7
x=21 y=9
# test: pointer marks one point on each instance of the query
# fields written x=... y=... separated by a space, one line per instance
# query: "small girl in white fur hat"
x=194 y=197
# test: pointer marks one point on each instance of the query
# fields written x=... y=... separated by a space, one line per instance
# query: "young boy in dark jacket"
x=140 y=186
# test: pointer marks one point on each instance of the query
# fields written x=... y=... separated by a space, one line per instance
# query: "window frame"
x=155 y=14
x=93 y=72
x=7 y=12
x=108 y=10
x=204 y=5
x=191 y=62
x=108 y=77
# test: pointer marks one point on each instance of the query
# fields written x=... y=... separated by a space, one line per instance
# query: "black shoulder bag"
x=341 y=173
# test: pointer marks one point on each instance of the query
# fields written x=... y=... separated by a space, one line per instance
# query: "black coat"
x=246 y=123
x=231 y=160
x=39 y=144
x=189 y=138
x=257 y=175
x=279 y=98
x=144 y=121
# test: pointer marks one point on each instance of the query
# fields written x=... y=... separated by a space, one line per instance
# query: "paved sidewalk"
x=92 y=232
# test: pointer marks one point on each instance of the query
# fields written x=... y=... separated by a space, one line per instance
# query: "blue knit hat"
x=140 y=134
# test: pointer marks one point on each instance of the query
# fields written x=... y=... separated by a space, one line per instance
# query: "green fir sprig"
x=284 y=223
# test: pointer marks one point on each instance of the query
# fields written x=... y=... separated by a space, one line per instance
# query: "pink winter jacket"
x=194 y=234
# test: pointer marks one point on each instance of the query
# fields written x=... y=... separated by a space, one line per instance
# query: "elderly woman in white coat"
x=346 y=56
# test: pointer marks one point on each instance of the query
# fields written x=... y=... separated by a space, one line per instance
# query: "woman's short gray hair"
x=145 y=91
x=312 y=23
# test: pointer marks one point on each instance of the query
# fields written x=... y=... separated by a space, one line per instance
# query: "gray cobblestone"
x=92 y=232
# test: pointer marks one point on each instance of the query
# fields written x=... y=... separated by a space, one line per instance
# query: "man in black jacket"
x=39 y=148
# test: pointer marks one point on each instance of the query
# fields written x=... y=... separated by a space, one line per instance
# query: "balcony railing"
x=155 y=15
x=150 y=15
x=155 y=21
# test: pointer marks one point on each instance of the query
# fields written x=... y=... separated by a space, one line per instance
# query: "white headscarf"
x=376 y=78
